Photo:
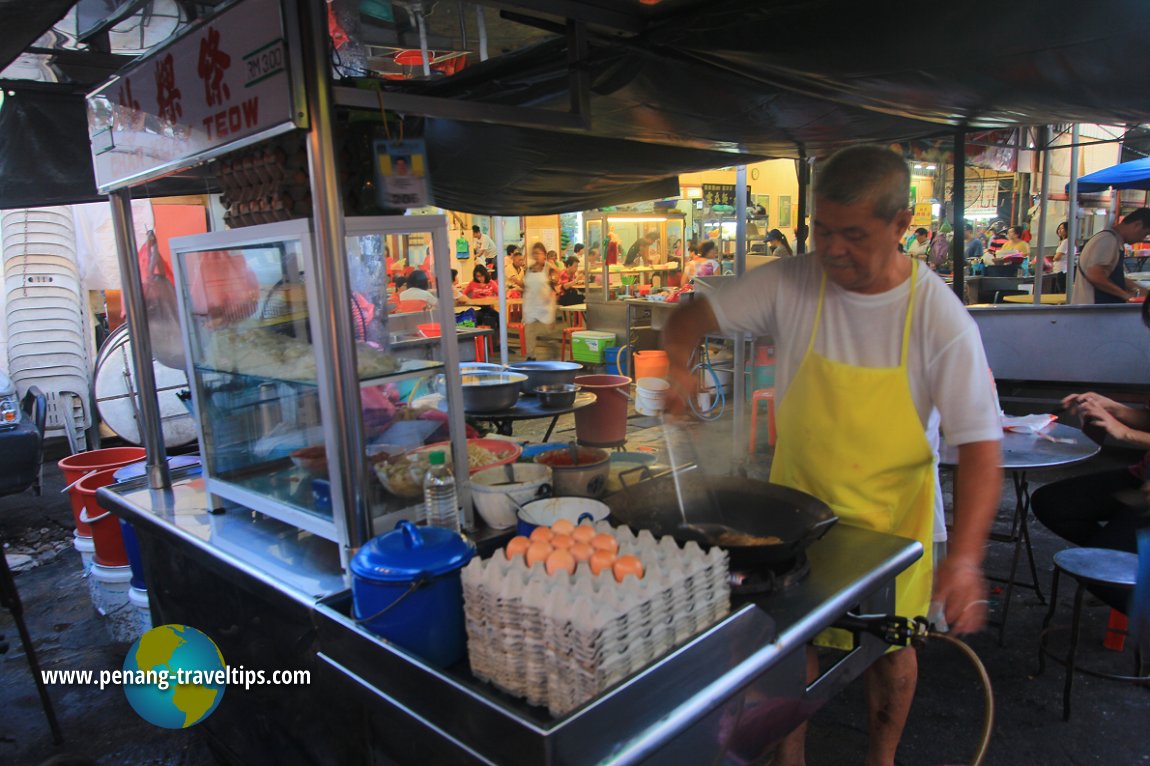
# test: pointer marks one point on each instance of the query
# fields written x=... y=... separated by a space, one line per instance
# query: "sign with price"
x=221 y=82
x=722 y=194
x=401 y=174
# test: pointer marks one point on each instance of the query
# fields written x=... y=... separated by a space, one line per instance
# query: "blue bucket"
x=617 y=360
x=406 y=588
x=132 y=548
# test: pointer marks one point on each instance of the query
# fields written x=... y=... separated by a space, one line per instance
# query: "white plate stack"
x=559 y=640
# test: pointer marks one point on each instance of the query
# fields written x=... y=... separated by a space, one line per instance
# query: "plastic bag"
x=222 y=287
x=161 y=308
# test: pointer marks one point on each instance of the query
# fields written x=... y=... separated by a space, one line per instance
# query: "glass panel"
x=254 y=369
x=593 y=261
x=393 y=281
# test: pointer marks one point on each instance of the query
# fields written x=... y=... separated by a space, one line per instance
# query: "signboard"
x=923 y=215
x=401 y=174
x=722 y=194
x=221 y=83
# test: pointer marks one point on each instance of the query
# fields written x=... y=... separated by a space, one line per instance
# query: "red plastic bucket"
x=106 y=535
x=76 y=467
x=604 y=423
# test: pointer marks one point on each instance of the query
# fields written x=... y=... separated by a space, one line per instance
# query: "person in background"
x=1101 y=273
x=707 y=264
x=939 y=258
x=570 y=283
x=578 y=251
x=612 y=248
x=553 y=264
x=417 y=289
x=538 y=299
x=639 y=254
x=1094 y=510
x=513 y=268
x=456 y=288
x=973 y=248
x=778 y=245
x=483 y=286
x=919 y=245
x=997 y=240
x=482 y=246
x=875 y=354
x=1015 y=247
x=1060 y=258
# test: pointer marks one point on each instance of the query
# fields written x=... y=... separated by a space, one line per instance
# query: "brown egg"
x=562 y=527
x=582 y=552
x=605 y=542
x=584 y=533
x=627 y=565
x=601 y=560
x=537 y=552
x=561 y=541
x=517 y=546
x=540 y=535
x=560 y=560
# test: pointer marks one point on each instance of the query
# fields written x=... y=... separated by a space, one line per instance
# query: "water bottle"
x=440 y=508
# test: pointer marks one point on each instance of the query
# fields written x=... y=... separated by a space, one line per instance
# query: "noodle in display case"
x=253 y=369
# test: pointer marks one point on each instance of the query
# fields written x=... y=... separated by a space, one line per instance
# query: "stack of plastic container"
x=558 y=640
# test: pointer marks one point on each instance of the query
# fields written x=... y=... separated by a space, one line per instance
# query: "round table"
x=1056 y=445
x=529 y=408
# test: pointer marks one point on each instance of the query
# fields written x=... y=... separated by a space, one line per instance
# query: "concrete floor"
x=1107 y=726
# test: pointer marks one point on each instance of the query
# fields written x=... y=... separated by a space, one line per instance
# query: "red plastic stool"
x=518 y=329
x=482 y=344
x=565 y=352
x=761 y=395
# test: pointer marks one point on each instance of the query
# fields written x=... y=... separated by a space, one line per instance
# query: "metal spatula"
x=694 y=497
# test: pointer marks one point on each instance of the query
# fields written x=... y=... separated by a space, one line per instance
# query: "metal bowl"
x=491 y=391
x=545 y=374
x=559 y=395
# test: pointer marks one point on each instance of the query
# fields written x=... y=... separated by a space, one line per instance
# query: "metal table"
x=529 y=408
x=1022 y=452
x=275 y=599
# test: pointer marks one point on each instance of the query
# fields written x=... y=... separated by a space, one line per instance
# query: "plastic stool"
x=1088 y=566
x=482 y=344
x=519 y=329
x=565 y=351
x=763 y=395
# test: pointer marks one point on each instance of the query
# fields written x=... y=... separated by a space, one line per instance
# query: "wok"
x=746 y=506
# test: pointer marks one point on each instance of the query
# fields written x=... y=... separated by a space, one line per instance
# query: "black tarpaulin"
x=46 y=159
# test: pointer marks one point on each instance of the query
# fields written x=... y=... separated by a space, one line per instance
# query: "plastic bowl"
x=311 y=460
x=544 y=513
x=498 y=491
x=429 y=330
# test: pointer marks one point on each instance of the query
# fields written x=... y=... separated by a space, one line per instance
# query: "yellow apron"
x=851 y=436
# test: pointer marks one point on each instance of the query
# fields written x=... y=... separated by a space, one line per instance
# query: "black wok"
x=746 y=506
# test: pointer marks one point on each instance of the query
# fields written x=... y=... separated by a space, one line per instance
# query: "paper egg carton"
x=559 y=640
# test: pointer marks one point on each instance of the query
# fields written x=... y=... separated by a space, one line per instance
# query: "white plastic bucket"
x=87 y=550
x=109 y=587
x=138 y=598
x=651 y=395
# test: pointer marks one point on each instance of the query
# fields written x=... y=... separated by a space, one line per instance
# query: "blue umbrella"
x=1127 y=175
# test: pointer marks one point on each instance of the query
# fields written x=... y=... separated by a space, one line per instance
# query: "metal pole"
x=481 y=22
x=151 y=427
x=740 y=381
x=501 y=284
x=1044 y=139
x=804 y=185
x=958 y=201
x=1072 y=216
x=331 y=320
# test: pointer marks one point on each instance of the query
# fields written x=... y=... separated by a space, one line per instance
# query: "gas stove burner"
x=774 y=579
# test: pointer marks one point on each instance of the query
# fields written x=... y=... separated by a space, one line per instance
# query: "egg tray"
x=559 y=640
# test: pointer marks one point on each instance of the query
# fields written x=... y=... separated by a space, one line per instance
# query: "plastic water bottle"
x=440 y=507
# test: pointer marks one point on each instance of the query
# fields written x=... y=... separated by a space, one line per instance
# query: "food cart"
x=255 y=551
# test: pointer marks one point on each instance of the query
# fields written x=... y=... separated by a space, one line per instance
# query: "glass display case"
x=246 y=301
x=655 y=240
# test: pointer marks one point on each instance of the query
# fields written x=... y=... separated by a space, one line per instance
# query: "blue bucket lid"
x=408 y=551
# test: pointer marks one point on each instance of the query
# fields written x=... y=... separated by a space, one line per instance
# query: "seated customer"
x=1084 y=509
x=417 y=289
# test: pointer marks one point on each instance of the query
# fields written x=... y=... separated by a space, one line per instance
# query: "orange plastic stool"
x=519 y=329
x=763 y=395
x=565 y=352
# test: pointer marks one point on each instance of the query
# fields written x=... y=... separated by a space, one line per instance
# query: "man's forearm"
x=685 y=328
x=1098 y=276
x=979 y=489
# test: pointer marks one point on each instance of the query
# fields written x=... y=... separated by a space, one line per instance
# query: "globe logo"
x=174 y=676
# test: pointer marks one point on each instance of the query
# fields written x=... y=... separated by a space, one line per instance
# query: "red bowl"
x=429 y=330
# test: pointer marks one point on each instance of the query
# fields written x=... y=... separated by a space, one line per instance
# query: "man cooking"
x=873 y=351
x=1101 y=275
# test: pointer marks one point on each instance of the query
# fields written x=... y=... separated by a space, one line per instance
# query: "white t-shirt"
x=1060 y=264
x=949 y=379
x=419 y=294
x=918 y=249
